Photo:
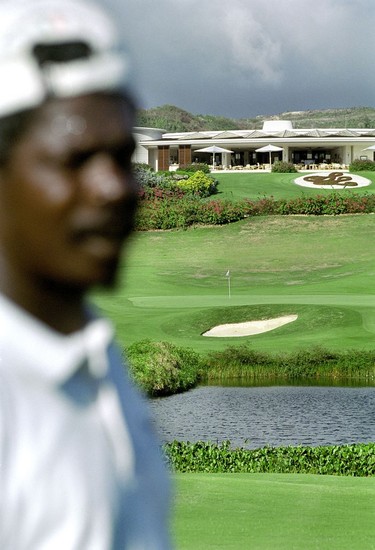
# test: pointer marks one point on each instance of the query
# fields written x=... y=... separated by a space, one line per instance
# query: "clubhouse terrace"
x=306 y=148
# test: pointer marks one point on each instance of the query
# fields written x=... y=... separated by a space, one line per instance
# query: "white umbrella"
x=371 y=148
x=269 y=149
x=213 y=149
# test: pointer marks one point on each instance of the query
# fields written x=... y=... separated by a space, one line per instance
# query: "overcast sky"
x=243 y=58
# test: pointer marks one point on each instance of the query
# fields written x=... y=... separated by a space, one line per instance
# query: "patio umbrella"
x=213 y=149
x=371 y=148
x=269 y=149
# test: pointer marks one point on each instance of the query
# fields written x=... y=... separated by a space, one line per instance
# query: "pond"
x=253 y=417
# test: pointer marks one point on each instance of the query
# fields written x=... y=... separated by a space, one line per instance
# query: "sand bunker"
x=249 y=328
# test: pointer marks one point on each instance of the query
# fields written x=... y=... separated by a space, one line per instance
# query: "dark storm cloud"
x=246 y=57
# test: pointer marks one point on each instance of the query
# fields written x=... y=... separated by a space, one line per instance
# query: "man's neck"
x=59 y=306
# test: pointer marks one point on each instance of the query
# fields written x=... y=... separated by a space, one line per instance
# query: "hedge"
x=161 y=209
x=362 y=165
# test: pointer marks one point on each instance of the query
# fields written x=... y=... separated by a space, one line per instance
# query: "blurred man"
x=79 y=466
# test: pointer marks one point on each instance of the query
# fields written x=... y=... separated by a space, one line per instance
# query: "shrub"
x=165 y=173
x=345 y=460
x=195 y=167
x=178 y=176
x=283 y=167
x=176 y=212
x=331 y=204
x=260 y=207
x=198 y=184
x=362 y=165
x=161 y=368
x=162 y=193
x=147 y=177
x=141 y=166
x=219 y=212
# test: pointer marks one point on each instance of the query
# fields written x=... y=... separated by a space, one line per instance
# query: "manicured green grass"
x=173 y=286
x=321 y=268
x=235 y=186
x=273 y=511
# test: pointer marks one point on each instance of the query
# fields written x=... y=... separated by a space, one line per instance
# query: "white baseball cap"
x=28 y=25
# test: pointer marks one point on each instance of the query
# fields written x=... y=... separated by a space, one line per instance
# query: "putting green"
x=321 y=268
x=274 y=511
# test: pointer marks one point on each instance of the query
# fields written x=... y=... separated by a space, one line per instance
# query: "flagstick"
x=228 y=277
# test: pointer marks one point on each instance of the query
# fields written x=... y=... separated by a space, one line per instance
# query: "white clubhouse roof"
x=275 y=129
x=345 y=144
x=257 y=134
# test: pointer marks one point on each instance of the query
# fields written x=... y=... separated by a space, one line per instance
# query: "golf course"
x=175 y=285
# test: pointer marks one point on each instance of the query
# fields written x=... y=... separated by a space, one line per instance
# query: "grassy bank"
x=273 y=511
x=244 y=364
x=161 y=368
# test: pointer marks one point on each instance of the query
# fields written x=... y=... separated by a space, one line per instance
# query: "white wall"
x=141 y=154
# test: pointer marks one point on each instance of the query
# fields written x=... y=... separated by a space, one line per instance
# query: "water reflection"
x=253 y=417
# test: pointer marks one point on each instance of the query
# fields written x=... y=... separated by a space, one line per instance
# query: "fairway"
x=322 y=269
x=273 y=511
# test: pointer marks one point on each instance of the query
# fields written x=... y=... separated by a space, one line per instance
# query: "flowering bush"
x=332 y=204
x=164 y=185
x=219 y=212
x=164 y=209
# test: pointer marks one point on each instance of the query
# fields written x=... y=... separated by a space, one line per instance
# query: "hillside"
x=174 y=119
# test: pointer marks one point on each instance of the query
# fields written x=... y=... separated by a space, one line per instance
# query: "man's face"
x=67 y=195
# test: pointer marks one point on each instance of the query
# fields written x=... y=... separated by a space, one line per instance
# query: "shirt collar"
x=31 y=348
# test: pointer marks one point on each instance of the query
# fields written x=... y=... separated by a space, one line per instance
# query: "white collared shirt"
x=80 y=468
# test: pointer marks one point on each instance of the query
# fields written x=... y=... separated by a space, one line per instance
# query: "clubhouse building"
x=306 y=148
